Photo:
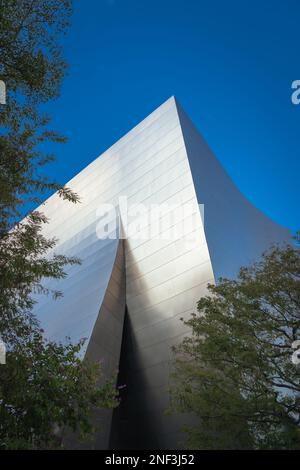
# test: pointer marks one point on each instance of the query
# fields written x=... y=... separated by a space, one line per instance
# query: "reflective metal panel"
x=160 y=270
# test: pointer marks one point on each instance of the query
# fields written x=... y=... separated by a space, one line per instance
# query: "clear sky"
x=229 y=63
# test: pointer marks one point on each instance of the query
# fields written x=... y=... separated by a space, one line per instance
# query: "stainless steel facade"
x=159 y=279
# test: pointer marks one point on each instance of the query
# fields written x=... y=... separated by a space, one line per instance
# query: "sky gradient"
x=230 y=65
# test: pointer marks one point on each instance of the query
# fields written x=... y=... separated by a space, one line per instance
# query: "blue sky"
x=229 y=63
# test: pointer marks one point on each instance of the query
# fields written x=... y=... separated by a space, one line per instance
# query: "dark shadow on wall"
x=150 y=331
x=131 y=427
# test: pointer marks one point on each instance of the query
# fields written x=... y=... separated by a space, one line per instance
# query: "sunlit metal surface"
x=162 y=160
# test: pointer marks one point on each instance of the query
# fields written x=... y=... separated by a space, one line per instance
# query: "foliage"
x=45 y=388
x=43 y=385
x=32 y=67
x=235 y=371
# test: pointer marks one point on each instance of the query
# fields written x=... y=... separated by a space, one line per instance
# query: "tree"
x=46 y=388
x=32 y=68
x=234 y=371
x=44 y=385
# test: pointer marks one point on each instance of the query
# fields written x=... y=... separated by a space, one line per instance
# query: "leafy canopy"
x=44 y=387
x=235 y=370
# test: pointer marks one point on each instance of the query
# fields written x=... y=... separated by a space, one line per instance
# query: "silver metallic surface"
x=162 y=160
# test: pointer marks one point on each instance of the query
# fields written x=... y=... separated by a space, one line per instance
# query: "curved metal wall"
x=160 y=161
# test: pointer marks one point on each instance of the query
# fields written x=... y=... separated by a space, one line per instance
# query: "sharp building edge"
x=127 y=296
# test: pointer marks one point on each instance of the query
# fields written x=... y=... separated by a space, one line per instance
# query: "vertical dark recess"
x=132 y=427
